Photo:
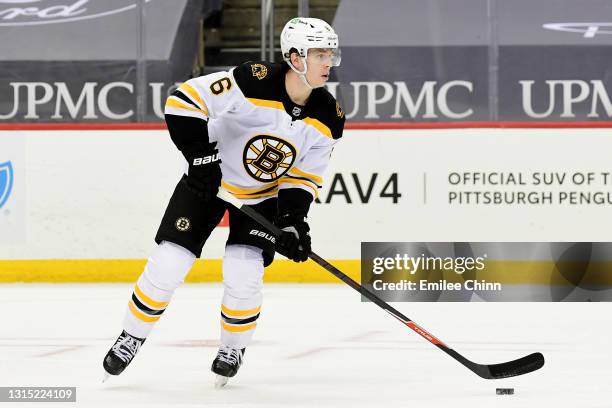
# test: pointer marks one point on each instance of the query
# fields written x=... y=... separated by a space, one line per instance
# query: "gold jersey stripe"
x=267 y=103
x=260 y=195
x=302 y=173
x=140 y=315
x=239 y=313
x=246 y=191
x=302 y=182
x=319 y=126
x=194 y=95
x=150 y=302
x=176 y=103
x=238 y=329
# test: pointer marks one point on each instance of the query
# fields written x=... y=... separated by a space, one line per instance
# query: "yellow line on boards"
x=128 y=270
x=598 y=273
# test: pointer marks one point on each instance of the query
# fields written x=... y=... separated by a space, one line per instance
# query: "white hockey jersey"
x=266 y=142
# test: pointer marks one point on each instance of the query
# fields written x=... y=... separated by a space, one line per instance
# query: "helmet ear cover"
x=302 y=58
x=292 y=51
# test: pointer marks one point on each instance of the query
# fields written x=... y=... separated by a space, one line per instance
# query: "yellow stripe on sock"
x=140 y=315
x=237 y=329
x=240 y=313
x=150 y=302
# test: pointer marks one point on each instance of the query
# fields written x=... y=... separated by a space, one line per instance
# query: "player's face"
x=320 y=61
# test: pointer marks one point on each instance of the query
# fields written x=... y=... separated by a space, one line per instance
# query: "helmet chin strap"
x=302 y=74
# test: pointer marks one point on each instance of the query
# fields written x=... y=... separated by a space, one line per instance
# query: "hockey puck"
x=504 y=391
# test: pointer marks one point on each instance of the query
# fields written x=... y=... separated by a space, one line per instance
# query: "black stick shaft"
x=513 y=368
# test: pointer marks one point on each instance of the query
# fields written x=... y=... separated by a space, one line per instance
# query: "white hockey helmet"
x=302 y=34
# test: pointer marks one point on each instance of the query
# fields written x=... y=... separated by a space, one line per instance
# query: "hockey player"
x=265 y=133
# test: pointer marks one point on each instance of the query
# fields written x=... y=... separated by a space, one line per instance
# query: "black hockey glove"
x=204 y=175
x=294 y=242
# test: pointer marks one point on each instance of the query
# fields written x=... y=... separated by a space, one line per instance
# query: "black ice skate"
x=121 y=354
x=226 y=364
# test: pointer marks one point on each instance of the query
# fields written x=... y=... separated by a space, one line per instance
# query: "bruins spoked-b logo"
x=266 y=158
x=182 y=224
x=339 y=110
x=259 y=71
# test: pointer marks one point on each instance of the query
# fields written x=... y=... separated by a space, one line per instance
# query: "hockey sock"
x=165 y=270
x=242 y=283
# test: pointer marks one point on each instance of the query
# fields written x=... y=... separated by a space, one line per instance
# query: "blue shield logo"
x=6 y=181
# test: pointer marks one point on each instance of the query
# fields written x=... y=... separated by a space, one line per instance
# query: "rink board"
x=85 y=205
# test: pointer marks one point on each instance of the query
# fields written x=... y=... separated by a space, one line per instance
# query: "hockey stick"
x=512 y=368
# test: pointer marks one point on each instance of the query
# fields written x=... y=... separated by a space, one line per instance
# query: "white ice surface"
x=316 y=346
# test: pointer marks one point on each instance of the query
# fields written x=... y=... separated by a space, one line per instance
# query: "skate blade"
x=220 y=381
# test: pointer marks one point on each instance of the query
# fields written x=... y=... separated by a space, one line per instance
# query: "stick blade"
x=513 y=368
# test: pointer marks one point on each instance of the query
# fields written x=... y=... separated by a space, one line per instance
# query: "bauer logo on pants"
x=263 y=235
x=6 y=182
